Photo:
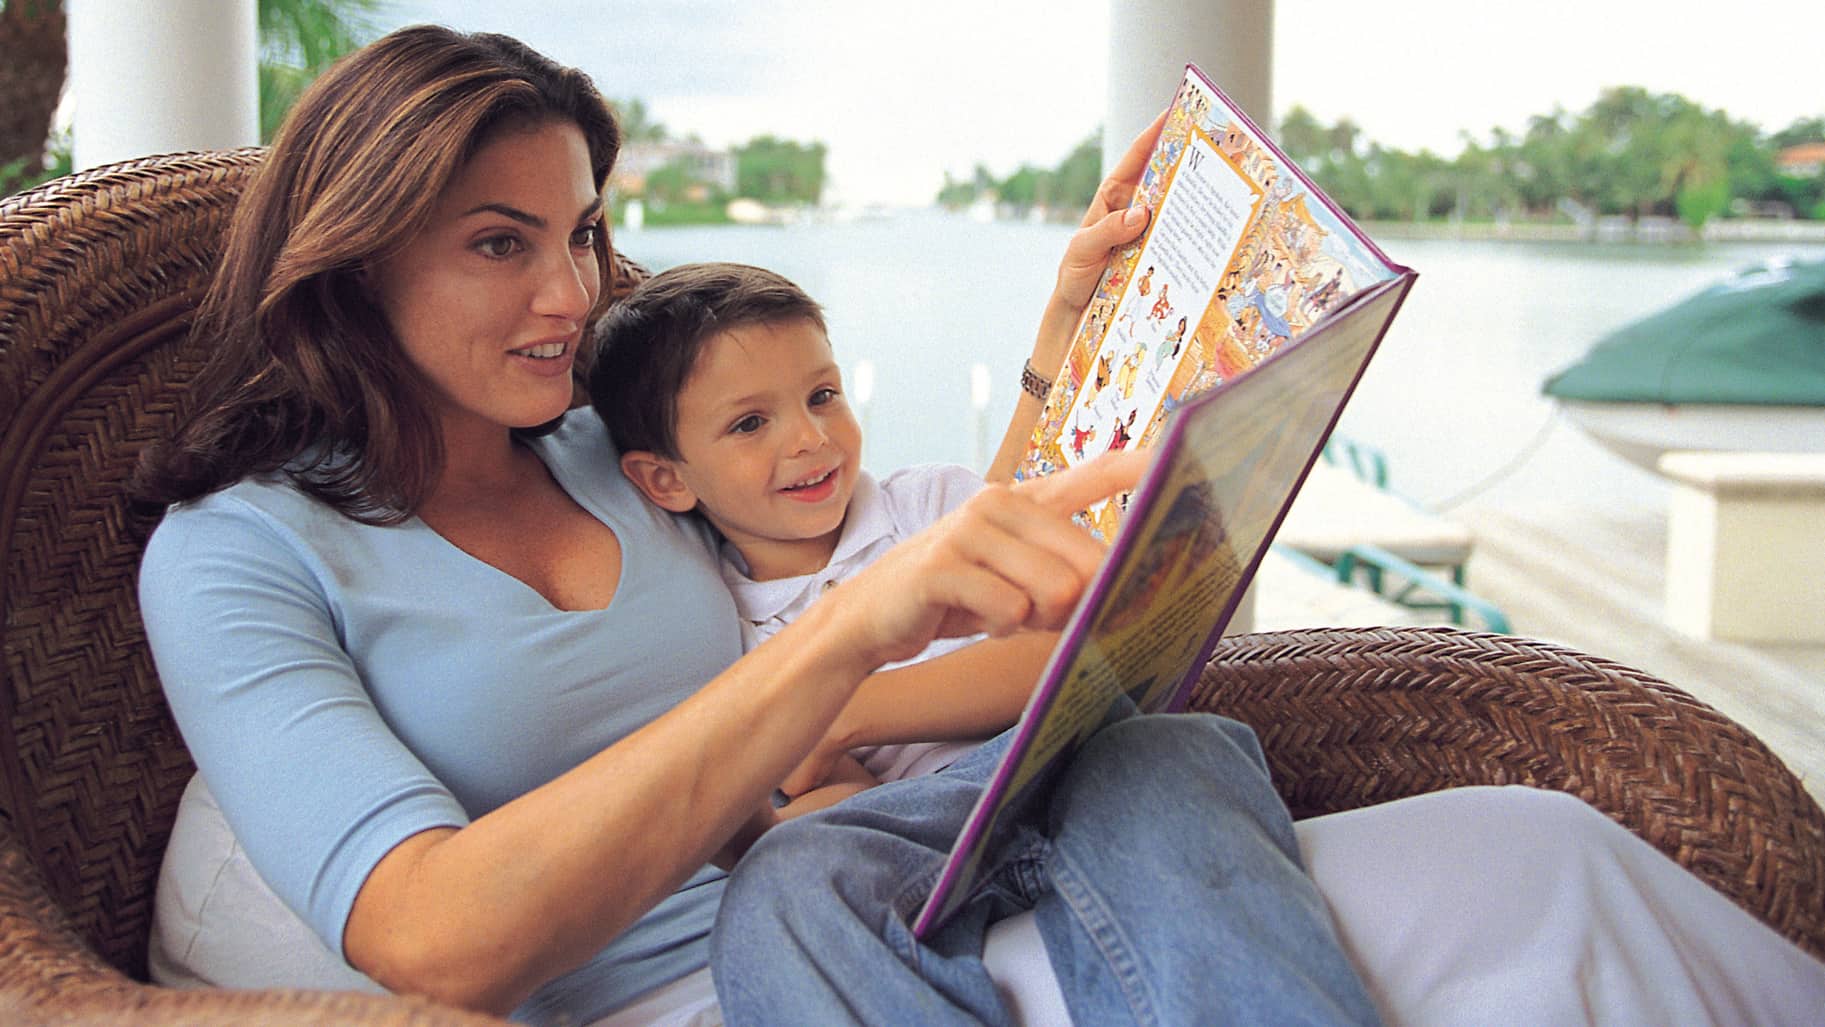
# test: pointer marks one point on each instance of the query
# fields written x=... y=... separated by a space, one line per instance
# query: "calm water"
x=1452 y=398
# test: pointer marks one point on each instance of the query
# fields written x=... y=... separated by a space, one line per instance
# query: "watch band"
x=1034 y=383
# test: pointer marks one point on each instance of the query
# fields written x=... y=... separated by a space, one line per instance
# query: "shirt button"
x=828 y=585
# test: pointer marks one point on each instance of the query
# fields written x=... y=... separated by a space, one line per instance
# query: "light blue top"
x=343 y=686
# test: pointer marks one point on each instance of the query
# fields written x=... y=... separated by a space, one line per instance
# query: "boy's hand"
x=845 y=777
x=828 y=763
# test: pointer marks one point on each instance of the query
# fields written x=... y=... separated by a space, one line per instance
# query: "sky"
x=902 y=93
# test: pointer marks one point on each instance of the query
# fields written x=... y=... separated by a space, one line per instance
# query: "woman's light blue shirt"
x=343 y=686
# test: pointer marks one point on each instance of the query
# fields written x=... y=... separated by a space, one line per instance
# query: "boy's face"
x=768 y=447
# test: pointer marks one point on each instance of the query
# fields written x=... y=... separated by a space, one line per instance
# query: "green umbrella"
x=1757 y=338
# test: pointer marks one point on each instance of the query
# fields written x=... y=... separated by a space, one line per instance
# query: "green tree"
x=1480 y=179
x=1333 y=156
x=1805 y=130
x=298 y=40
x=779 y=171
x=1542 y=166
x=678 y=181
x=1805 y=195
x=1619 y=136
x=1078 y=175
x=1752 y=173
x=1069 y=187
x=1695 y=164
x=1633 y=152
x=1026 y=188
x=1699 y=202
x=1351 y=178
x=1305 y=139
x=955 y=195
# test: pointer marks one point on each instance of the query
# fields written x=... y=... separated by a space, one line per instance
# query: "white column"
x=155 y=77
x=1150 y=42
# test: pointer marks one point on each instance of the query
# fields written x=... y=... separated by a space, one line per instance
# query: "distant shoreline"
x=1646 y=230
x=1613 y=229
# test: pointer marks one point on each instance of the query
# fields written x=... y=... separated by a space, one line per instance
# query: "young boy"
x=720 y=391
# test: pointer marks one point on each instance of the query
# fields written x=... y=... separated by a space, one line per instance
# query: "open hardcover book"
x=1228 y=338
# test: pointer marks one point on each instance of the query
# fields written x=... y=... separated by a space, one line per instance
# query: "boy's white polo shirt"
x=881 y=513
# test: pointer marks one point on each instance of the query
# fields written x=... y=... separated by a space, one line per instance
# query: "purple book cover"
x=1228 y=461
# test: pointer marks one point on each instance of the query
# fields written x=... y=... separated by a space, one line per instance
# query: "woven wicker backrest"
x=99 y=275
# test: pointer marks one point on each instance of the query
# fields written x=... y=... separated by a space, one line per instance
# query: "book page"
x=1243 y=255
x=1208 y=208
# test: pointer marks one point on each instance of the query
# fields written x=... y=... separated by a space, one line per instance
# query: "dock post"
x=1746 y=545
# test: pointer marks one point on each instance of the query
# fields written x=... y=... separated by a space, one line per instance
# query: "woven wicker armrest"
x=1350 y=718
x=49 y=976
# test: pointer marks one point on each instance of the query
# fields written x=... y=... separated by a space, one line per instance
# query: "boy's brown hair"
x=647 y=345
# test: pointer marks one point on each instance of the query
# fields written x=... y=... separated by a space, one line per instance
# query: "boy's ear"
x=658 y=480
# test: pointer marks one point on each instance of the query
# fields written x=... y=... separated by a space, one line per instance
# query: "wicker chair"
x=98 y=275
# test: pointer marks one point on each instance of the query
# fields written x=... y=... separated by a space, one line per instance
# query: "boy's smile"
x=813 y=490
x=769 y=449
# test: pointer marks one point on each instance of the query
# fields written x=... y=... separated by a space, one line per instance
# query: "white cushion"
x=1474 y=905
x=216 y=924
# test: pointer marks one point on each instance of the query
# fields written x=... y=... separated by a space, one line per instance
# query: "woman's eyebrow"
x=524 y=218
x=528 y=219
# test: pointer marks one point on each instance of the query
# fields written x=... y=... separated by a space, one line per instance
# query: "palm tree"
x=298 y=39
x=32 y=60
x=637 y=124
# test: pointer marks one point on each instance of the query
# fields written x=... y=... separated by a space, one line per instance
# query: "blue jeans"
x=1163 y=875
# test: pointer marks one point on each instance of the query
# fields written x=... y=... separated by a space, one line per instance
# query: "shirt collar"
x=866 y=522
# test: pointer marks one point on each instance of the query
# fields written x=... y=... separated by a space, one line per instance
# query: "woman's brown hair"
x=304 y=376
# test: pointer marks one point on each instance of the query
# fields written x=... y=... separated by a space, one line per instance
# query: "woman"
x=441 y=667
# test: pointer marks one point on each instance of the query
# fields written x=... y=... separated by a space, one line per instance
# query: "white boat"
x=1738 y=367
x=1641 y=432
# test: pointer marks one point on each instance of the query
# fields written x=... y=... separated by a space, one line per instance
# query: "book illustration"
x=1229 y=337
x=1242 y=256
x=1186 y=537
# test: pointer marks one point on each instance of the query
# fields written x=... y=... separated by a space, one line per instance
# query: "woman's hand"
x=1107 y=223
x=1008 y=559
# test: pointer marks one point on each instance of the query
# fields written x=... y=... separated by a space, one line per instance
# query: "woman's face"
x=489 y=300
